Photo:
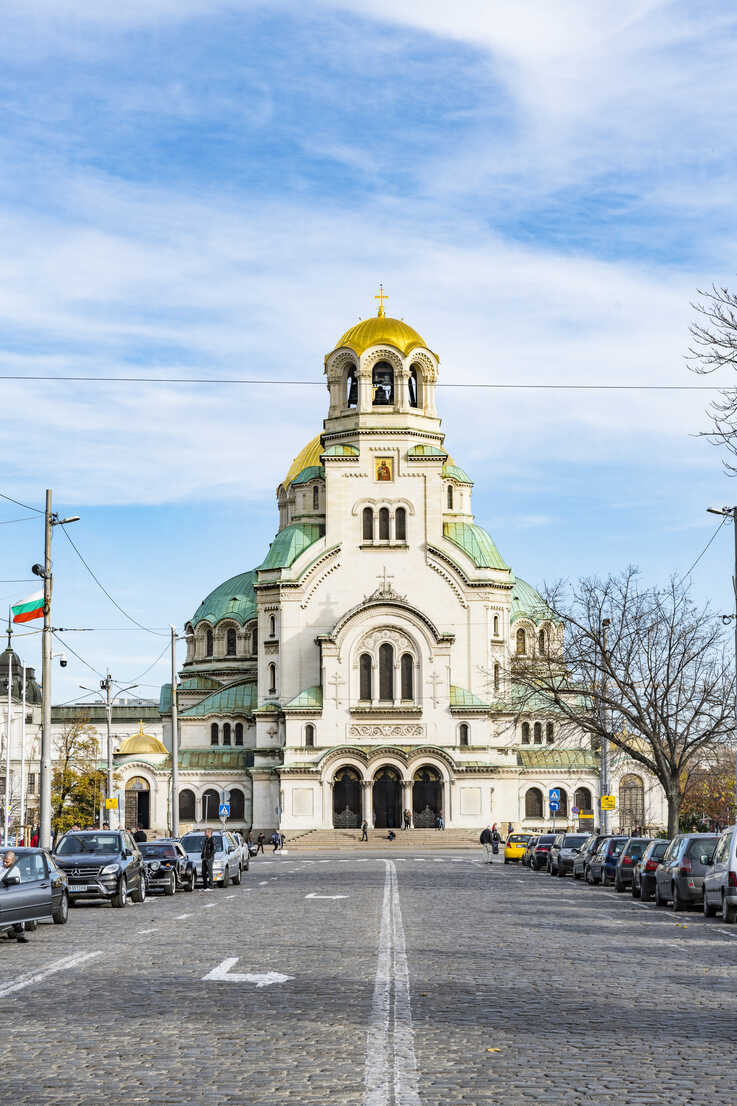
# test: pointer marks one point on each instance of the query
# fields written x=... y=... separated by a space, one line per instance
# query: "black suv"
x=167 y=866
x=102 y=864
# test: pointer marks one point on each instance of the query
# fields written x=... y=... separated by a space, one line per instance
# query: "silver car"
x=240 y=841
x=720 y=878
x=226 y=865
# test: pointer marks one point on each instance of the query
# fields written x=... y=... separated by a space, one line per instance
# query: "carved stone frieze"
x=378 y=730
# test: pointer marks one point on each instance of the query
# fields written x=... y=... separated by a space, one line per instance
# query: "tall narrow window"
x=549 y=735
x=239 y=733
x=407 y=674
x=386 y=673
x=525 y=733
x=368 y=524
x=538 y=733
x=230 y=643
x=272 y=679
x=254 y=642
x=309 y=735
x=413 y=389
x=542 y=644
x=352 y=389
x=463 y=733
x=315 y=499
x=226 y=733
x=400 y=524
x=272 y=626
x=365 y=673
x=521 y=643
x=214 y=738
x=208 y=643
x=384 y=524
x=497 y=677
x=450 y=497
x=496 y=625
x=383 y=384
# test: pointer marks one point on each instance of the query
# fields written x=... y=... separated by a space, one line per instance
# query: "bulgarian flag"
x=31 y=607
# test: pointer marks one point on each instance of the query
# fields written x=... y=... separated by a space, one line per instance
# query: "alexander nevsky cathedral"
x=364 y=668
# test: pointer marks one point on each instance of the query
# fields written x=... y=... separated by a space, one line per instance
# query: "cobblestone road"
x=433 y=981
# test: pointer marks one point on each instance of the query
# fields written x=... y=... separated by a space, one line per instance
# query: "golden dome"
x=305 y=459
x=381 y=331
x=142 y=743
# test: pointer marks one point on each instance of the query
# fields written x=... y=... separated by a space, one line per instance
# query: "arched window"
x=239 y=733
x=400 y=524
x=407 y=666
x=496 y=625
x=538 y=730
x=272 y=679
x=351 y=389
x=214 y=736
x=254 y=641
x=309 y=735
x=562 y=811
x=186 y=805
x=272 y=626
x=582 y=799
x=230 y=643
x=365 y=677
x=368 y=524
x=414 y=387
x=208 y=643
x=383 y=384
x=210 y=805
x=384 y=524
x=549 y=733
x=237 y=804
x=386 y=673
x=542 y=643
x=450 y=497
x=534 y=803
x=525 y=733
x=226 y=733
x=463 y=733
x=521 y=643
x=497 y=677
x=631 y=801
x=315 y=498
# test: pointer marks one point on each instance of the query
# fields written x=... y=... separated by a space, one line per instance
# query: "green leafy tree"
x=78 y=782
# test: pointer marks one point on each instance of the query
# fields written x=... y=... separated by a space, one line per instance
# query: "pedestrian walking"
x=260 y=843
x=407 y=819
x=275 y=841
x=140 y=835
x=485 y=840
x=364 y=830
x=495 y=839
x=208 y=856
x=34 y=839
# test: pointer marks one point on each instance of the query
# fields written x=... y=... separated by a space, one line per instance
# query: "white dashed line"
x=38 y=977
x=209 y=905
x=143 y=932
x=181 y=917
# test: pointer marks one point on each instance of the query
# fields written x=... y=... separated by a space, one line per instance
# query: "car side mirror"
x=12 y=879
x=127 y=853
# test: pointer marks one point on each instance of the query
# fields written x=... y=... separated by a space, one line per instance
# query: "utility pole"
x=6 y=804
x=731 y=512
x=45 y=783
x=174 y=738
x=604 y=760
x=23 y=755
x=105 y=686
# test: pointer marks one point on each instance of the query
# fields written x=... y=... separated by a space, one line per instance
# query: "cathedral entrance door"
x=346 y=799
x=387 y=799
x=427 y=798
x=137 y=803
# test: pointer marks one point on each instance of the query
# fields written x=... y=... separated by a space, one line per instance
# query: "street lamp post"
x=108 y=699
x=731 y=512
x=604 y=759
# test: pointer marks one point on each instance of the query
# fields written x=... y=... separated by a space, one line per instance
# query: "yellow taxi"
x=516 y=846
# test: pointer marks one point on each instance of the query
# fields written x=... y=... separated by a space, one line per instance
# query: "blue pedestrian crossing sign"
x=224 y=810
x=554 y=794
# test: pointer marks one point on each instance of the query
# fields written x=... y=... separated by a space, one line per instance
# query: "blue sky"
x=204 y=188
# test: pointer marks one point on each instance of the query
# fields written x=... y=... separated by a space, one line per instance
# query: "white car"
x=226 y=865
x=243 y=847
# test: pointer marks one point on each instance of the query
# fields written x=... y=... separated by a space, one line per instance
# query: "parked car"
x=601 y=866
x=226 y=864
x=644 y=869
x=563 y=851
x=516 y=846
x=720 y=878
x=242 y=849
x=632 y=851
x=679 y=878
x=584 y=854
x=102 y=864
x=541 y=851
x=32 y=890
x=168 y=868
x=529 y=852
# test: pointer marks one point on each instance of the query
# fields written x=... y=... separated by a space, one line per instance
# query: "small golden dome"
x=305 y=459
x=381 y=331
x=142 y=743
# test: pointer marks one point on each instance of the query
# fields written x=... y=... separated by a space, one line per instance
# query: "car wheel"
x=505 y=860
x=576 y=875
x=561 y=872
x=618 y=885
x=676 y=901
x=659 y=901
x=237 y=877
x=61 y=913
x=140 y=894
x=729 y=913
x=120 y=898
x=247 y=865
x=709 y=910
x=191 y=880
x=226 y=878
x=635 y=891
x=171 y=886
x=645 y=895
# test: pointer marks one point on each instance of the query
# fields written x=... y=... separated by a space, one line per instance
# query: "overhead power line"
x=703 y=551
x=19 y=504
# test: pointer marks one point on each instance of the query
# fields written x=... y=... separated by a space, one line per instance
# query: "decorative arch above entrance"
x=346 y=799
x=387 y=798
x=137 y=803
x=427 y=797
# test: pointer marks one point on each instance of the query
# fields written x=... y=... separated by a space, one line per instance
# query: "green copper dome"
x=234 y=599
x=528 y=603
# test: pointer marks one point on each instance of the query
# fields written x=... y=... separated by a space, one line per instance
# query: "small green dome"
x=528 y=603
x=234 y=599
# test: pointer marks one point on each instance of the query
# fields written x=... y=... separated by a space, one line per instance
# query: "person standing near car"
x=208 y=857
x=260 y=843
x=139 y=835
x=495 y=838
x=17 y=932
x=485 y=840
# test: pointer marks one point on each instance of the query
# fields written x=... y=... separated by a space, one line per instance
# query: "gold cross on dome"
x=381 y=297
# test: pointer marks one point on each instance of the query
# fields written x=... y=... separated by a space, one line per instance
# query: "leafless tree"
x=658 y=683
x=714 y=346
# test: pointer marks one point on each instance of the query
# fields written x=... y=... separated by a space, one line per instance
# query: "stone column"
x=401 y=390
x=406 y=798
x=446 y=802
x=365 y=391
x=368 y=815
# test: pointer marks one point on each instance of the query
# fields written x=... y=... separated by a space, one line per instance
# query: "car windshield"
x=546 y=839
x=636 y=848
x=701 y=845
x=192 y=843
x=658 y=849
x=616 y=846
x=518 y=839
x=74 y=844
x=157 y=851
x=573 y=842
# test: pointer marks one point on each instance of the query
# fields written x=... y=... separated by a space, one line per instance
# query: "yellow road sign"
x=608 y=802
x=111 y=804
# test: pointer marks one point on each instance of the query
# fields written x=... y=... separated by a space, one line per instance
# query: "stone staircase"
x=339 y=840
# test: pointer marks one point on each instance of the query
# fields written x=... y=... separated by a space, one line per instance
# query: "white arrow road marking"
x=391 y=1065
x=312 y=895
x=223 y=974
x=56 y=966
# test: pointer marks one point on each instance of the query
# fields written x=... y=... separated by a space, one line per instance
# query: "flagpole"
x=23 y=757
x=6 y=804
